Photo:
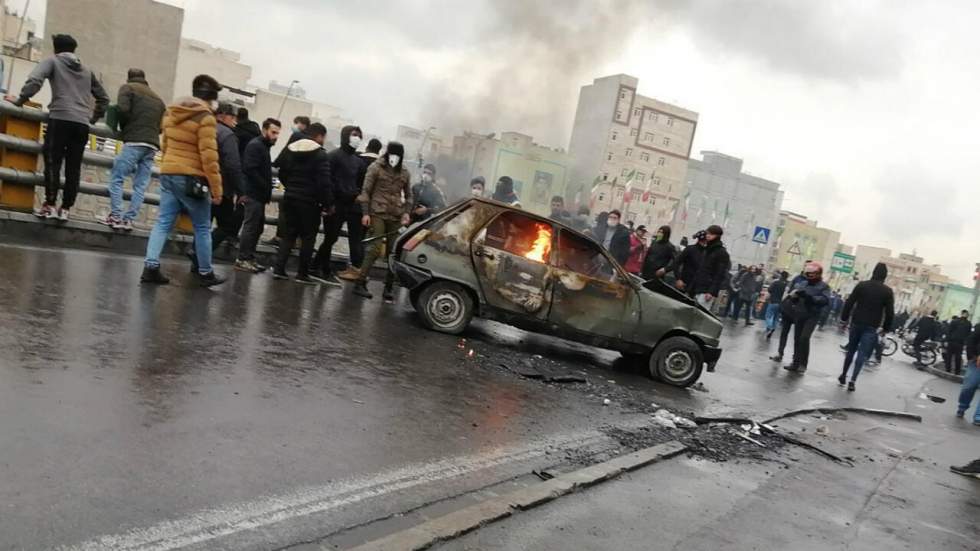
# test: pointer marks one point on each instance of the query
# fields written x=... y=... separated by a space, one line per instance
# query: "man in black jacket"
x=346 y=174
x=711 y=272
x=355 y=231
x=257 y=166
x=429 y=199
x=956 y=335
x=246 y=130
x=869 y=307
x=308 y=194
x=660 y=254
x=686 y=264
x=926 y=329
x=776 y=291
x=615 y=237
x=971 y=381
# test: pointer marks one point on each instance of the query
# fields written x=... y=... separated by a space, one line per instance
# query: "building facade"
x=116 y=35
x=196 y=57
x=799 y=239
x=629 y=152
x=746 y=206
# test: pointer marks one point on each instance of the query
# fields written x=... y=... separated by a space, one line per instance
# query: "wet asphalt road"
x=282 y=411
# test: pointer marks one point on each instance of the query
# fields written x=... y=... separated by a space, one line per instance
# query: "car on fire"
x=487 y=259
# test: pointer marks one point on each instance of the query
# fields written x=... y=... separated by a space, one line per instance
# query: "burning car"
x=483 y=258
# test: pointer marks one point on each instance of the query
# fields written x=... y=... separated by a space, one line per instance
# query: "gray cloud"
x=914 y=205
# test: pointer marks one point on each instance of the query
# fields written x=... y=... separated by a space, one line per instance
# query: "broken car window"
x=521 y=236
x=584 y=257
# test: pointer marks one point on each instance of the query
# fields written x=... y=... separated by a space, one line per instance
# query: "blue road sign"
x=761 y=235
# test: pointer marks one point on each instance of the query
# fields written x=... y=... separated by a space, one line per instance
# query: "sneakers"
x=63 y=214
x=328 y=279
x=247 y=266
x=305 y=280
x=46 y=211
x=125 y=225
x=259 y=267
x=388 y=295
x=276 y=274
x=113 y=222
x=361 y=290
x=748 y=323
x=210 y=279
x=769 y=334
x=973 y=469
x=960 y=413
x=154 y=276
x=795 y=368
x=842 y=380
x=777 y=358
x=850 y=386
x=350 y=274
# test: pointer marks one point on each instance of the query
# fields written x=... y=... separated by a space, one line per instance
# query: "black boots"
x=388 y=295
x=361 y=290
x=210 y=279
x=154 y=276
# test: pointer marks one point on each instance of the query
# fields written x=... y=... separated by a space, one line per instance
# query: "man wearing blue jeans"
x=971 y=380
x=777 y=289
x=174 y=199
x=140 y=111
x=873 y=305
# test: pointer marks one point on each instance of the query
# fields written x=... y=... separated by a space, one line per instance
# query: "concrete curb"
x=465 y=520
x=942 y=374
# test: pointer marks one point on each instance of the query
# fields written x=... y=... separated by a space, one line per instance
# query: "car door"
x=591 y=294
x=511 y=256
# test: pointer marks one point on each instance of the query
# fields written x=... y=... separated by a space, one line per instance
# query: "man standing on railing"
x=140 y=113
x=72 y=87
x=190 y=178
x=257 y=166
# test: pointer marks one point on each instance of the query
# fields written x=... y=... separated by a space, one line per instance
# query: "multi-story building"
x=116 y=35
x=746 y=206
x=539 y=172
x=799 y=239
x=19 y=34
x=629 y=151
x=196 y=57
x=421 y=145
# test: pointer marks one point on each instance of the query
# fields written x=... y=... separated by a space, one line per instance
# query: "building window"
x=661 y=161
x=619 y=114
x=619 y=194
x=648 y=136
x=670 y=121
x=656 y=180
x=641 y=176
x=645 y=156
x=651 y=116
x=614 y=135
x=609 y=157
x=666 y=140
x=634 y=131
x=602 y=196
x=605 y=176
x=636 y=112
x=622 y=94
x=629 y=151
x=625 y=172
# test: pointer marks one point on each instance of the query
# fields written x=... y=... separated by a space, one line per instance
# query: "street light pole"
x=476 y=149
x=284 y=98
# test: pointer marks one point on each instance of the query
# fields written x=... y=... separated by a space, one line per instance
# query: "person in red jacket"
x=638 y=250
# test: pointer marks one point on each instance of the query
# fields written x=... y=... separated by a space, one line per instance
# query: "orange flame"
x=542 y=245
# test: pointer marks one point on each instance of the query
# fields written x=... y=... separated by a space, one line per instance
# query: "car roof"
x=505 y=206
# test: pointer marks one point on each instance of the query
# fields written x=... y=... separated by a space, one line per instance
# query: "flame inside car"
x=541 y=245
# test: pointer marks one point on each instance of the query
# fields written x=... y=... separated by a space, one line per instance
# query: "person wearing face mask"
x=429 y=199
x=812 y=294
x=660 y=255
x=478 y=186
x=713 y=268
x=385 y=212
x=504 y=192
x=346 y=171
x=615 y=237
x=257 y=167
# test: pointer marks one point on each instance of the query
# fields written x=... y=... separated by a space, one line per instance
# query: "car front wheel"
x=446 y=307
x=677 y=361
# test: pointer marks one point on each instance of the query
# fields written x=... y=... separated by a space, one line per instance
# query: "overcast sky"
x=863 y=110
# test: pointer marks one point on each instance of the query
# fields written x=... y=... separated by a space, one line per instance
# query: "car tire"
x=677 y=361
x=445 y=307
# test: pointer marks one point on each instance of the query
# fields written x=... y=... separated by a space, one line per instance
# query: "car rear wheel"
x=677 y=361
x=446 y=307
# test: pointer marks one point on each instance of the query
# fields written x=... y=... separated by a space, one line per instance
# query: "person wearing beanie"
x=429 y=199
x=712 y=269
x=346 y=175
x=140 y=112
x=72 y=88
x=660 y=254
x=927 y=329
x=384 y=212
x=810 y=296
x=870 y=309
x=478 y=186
x=190 y=178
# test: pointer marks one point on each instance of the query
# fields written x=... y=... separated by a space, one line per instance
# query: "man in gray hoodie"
x=72 y=88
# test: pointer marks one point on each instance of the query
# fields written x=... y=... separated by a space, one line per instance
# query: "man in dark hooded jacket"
x=660 y=254
x=956 y=335
x=685 y=265
x=713 y=269
x=346 y=174
x=615 y=237
x=429 y=199
x=870 y=307
x=307 y=195
x=246 y=130
x=504 y=192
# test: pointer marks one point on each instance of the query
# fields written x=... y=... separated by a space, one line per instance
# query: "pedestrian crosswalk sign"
x=794 y=249
x=761 y=235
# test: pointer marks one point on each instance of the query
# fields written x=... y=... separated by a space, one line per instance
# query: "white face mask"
x=355 y=141
x=612 y=223
x=427 y=178
x=213 y=104
x=393 y=160
x=477 y=192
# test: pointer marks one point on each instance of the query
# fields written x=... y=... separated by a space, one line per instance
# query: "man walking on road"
x=72 y=87
x=748 y=284
x=306 y=167
x=811 y=295
x=712 y=269
x=776 y=291
x=355 y=231
x=971 y=380
x=870 y=306
x=190 y=178
x=140 y=112
x=385 y=184
x=226 y=214
x=257 y=166
x=346 y=171
x=956 y=335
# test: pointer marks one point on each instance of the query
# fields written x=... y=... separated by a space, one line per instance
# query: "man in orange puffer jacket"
x=190 y=178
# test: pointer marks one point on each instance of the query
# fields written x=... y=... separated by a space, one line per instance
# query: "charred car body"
x=483 y=258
